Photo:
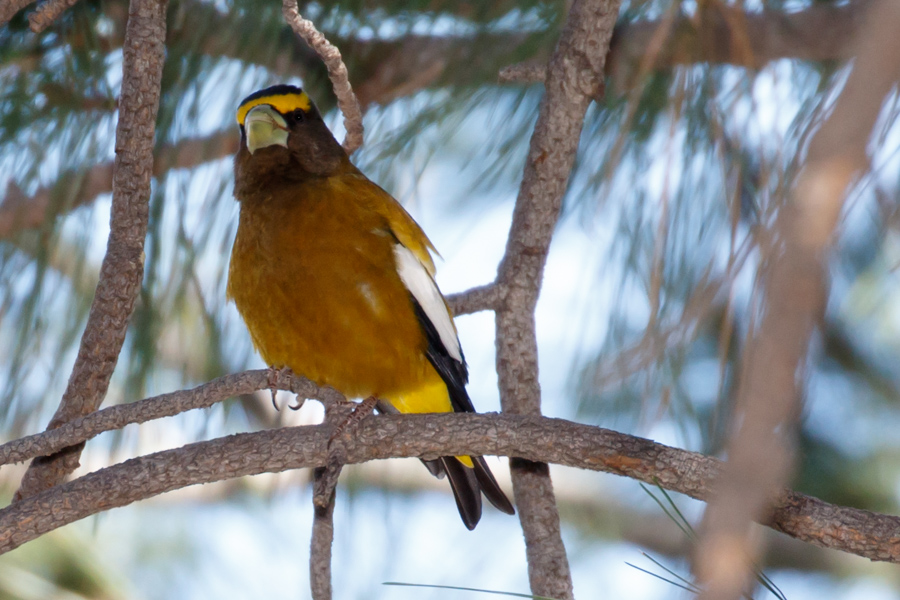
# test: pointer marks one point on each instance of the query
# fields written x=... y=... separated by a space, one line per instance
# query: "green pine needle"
x=467 y=589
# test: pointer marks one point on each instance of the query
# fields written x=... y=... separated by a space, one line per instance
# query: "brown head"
x=283 y=140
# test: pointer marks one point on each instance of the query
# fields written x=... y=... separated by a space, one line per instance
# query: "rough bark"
x=574 y=78
x=537 y=439
x=123 y=265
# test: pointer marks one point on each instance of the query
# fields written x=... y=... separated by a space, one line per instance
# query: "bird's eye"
x=298 y=116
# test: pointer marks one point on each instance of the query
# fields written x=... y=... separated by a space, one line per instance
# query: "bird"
x=335 y=280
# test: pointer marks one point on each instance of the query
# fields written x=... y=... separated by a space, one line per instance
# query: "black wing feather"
x=466 y=482
x=454 y=373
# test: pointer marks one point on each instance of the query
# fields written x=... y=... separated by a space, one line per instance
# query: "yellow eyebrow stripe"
x=283 y=103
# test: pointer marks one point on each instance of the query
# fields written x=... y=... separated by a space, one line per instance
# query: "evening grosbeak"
x=335 y=280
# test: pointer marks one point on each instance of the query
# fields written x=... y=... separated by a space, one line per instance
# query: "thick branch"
x=760 y=452
x=536 y=439
x=123 y=265
x=574 y=78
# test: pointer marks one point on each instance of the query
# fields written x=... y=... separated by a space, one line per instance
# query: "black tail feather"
x=435 y=467
x=490 y=487
x=468 y=484
x=465 y=489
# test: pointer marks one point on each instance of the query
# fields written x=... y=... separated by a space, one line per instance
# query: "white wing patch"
x=420 y=284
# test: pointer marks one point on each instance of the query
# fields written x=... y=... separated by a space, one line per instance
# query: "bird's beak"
x=265 y=127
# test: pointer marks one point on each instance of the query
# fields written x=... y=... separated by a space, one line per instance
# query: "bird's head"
x=283 y=138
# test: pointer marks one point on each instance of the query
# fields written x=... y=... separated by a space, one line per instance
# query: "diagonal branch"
x=123 y=266
x=537 y=439
x=72 y=189
x=47 y=12
x=768 y=398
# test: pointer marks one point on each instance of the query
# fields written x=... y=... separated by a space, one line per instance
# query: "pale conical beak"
x=265 y=127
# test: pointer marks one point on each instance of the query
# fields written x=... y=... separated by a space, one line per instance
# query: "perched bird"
x=335 y=280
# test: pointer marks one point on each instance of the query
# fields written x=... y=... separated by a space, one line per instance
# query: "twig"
x=123 y=265
x=476 y=299
x=526 y=72
x=337 y=72
x=574 y=77
x=536 y=439
x=48 y=12
x=768 y=398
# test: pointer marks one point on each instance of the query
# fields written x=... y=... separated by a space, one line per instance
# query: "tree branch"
x=476 y=299
x=537 y=439
x=768 y=398
x=337 y=72
x=123 y=265
x=73 y=189
x=9 y=8
x=166 y=405
x=574 y=78
x=321 y=542
x=47 y=12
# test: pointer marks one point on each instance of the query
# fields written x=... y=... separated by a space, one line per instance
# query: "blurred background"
x=649 y=290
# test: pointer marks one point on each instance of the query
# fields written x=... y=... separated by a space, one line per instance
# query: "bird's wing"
x=412 y=255
x=444 y=351
x=402 y=226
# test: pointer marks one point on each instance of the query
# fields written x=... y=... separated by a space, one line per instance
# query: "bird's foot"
x=275 y=378
x=360 y=411
x=326 y=477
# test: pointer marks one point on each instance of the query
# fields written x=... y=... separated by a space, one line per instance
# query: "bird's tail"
x=468 y=483
x=469 y=475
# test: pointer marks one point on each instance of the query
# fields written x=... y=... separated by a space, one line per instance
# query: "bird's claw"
x=274 y=378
